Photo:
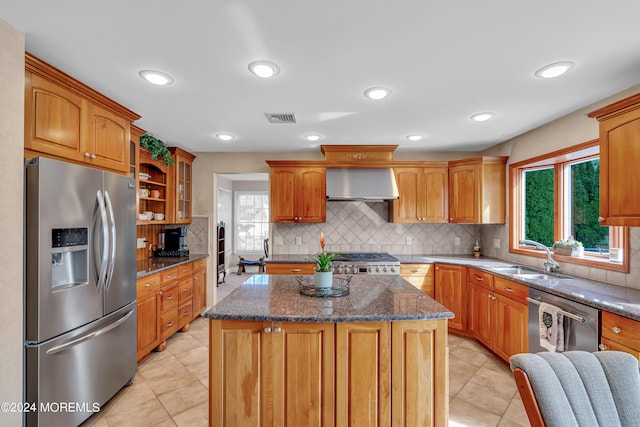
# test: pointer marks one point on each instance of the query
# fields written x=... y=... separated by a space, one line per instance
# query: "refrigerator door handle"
x=112 y=240
x=83 y=338
x=105 y=238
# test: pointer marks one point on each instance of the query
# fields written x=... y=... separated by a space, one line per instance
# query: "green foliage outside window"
x=585 y=204
x=539 y=208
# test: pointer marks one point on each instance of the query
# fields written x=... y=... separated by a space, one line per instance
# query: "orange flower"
x=322 y=240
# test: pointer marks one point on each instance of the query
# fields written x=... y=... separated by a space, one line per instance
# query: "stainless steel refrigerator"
x=80 y=290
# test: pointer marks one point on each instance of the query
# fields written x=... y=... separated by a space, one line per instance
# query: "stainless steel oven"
x=582 y=323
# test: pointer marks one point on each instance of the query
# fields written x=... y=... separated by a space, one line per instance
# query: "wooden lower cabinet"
x=498 y=313
x=419 y=275
x=363 y=373
x=199 y=287
x=326 y=374
x=620 y=333
x=451 y=291
x=148 y=300
x=302 y=268
x=265 y=374
x=167 y=302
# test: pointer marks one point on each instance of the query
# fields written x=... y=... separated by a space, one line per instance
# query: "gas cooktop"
x=366 y=257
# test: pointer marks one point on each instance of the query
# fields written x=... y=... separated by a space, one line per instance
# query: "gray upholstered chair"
x=578 y=388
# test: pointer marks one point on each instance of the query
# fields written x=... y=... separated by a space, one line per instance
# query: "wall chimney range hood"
x=361 y=184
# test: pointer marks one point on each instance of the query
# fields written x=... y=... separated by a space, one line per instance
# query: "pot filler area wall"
x=364 y=227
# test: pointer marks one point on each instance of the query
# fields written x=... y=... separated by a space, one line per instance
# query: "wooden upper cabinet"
x=619 y=159
x=67 y=120
x=181 y=177
x=423 y=195
x=298 y=194
x=477 y=190
x=52 y=118
x=106 y=143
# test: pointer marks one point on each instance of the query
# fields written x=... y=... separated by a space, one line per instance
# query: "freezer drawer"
x=72 y=376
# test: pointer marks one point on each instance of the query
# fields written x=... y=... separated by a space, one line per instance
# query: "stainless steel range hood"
x=361 y=184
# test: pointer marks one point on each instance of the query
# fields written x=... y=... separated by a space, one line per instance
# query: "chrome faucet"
x=551 y=264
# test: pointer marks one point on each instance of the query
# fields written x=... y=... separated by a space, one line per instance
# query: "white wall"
x=11 y=194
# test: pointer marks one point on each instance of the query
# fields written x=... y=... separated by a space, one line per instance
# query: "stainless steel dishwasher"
x=582 y=323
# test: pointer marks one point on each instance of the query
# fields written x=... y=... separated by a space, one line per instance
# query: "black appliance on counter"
x=173 y=243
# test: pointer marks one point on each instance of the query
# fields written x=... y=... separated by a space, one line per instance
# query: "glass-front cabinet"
x=182 y=180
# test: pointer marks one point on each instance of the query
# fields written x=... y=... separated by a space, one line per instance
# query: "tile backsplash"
x=364 y=227
x=197 y=238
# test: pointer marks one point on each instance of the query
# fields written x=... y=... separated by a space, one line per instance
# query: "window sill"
x=587 y=260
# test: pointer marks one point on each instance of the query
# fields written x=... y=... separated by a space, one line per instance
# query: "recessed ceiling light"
x=156 y=77
x=224 y=136
x=312 y=137
x=264 y=69
x=554 y=70
x=482 y=117
x=377 y=92
x=415 y=137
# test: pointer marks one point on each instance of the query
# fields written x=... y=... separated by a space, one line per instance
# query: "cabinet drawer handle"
x=170 y=277
x=170 y=324
x=478 y=278
x=508 y=289
x=186 y=289
x=185 y=312
x=170 y=297
x=295 y=270
x=616 y=330
x=148 y=284
x=267 y=330
x=185 y=270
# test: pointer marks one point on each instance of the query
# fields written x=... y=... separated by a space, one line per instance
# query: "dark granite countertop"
x=371 y=299
x=151 y=266
x=604 y=296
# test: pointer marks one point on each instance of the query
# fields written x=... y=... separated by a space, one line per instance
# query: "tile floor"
x=170 y=388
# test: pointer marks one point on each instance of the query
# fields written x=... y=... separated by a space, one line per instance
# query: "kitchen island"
x=377 y=356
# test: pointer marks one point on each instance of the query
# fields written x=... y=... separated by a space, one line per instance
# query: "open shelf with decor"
x=153 y=189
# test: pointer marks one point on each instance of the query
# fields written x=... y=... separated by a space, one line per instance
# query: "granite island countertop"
x=371 y=299
x=147 y=267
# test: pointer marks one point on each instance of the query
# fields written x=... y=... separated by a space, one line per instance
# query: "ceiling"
x=444 y=60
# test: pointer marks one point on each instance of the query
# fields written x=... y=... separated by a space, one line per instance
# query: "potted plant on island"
x=323 y=274
x=569 y=247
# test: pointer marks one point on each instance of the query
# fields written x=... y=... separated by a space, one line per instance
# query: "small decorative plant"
x=324 y=259
x=157 y=148
x=566 y=247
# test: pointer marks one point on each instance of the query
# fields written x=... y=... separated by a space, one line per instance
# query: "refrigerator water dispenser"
x=69 y=257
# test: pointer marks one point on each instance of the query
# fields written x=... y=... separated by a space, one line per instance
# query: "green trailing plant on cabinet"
x=157 y=148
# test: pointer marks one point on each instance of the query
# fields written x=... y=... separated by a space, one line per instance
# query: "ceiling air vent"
x=281 y=117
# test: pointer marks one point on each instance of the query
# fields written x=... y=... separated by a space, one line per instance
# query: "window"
x=251 y=210
x=557 y=197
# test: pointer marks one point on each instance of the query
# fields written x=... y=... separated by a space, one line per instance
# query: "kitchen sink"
x=529 y=273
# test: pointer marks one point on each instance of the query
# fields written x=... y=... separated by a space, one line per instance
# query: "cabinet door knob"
x=616 y=330
x=267 y=330
x=602 y=347
x=600 y=219
x=277 y=330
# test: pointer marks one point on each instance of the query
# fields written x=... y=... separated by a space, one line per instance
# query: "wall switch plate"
x=496 y=243
x=456 y=241
x=278 y=241
x=141 y=243
x=298 y=240
x=409 y=240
